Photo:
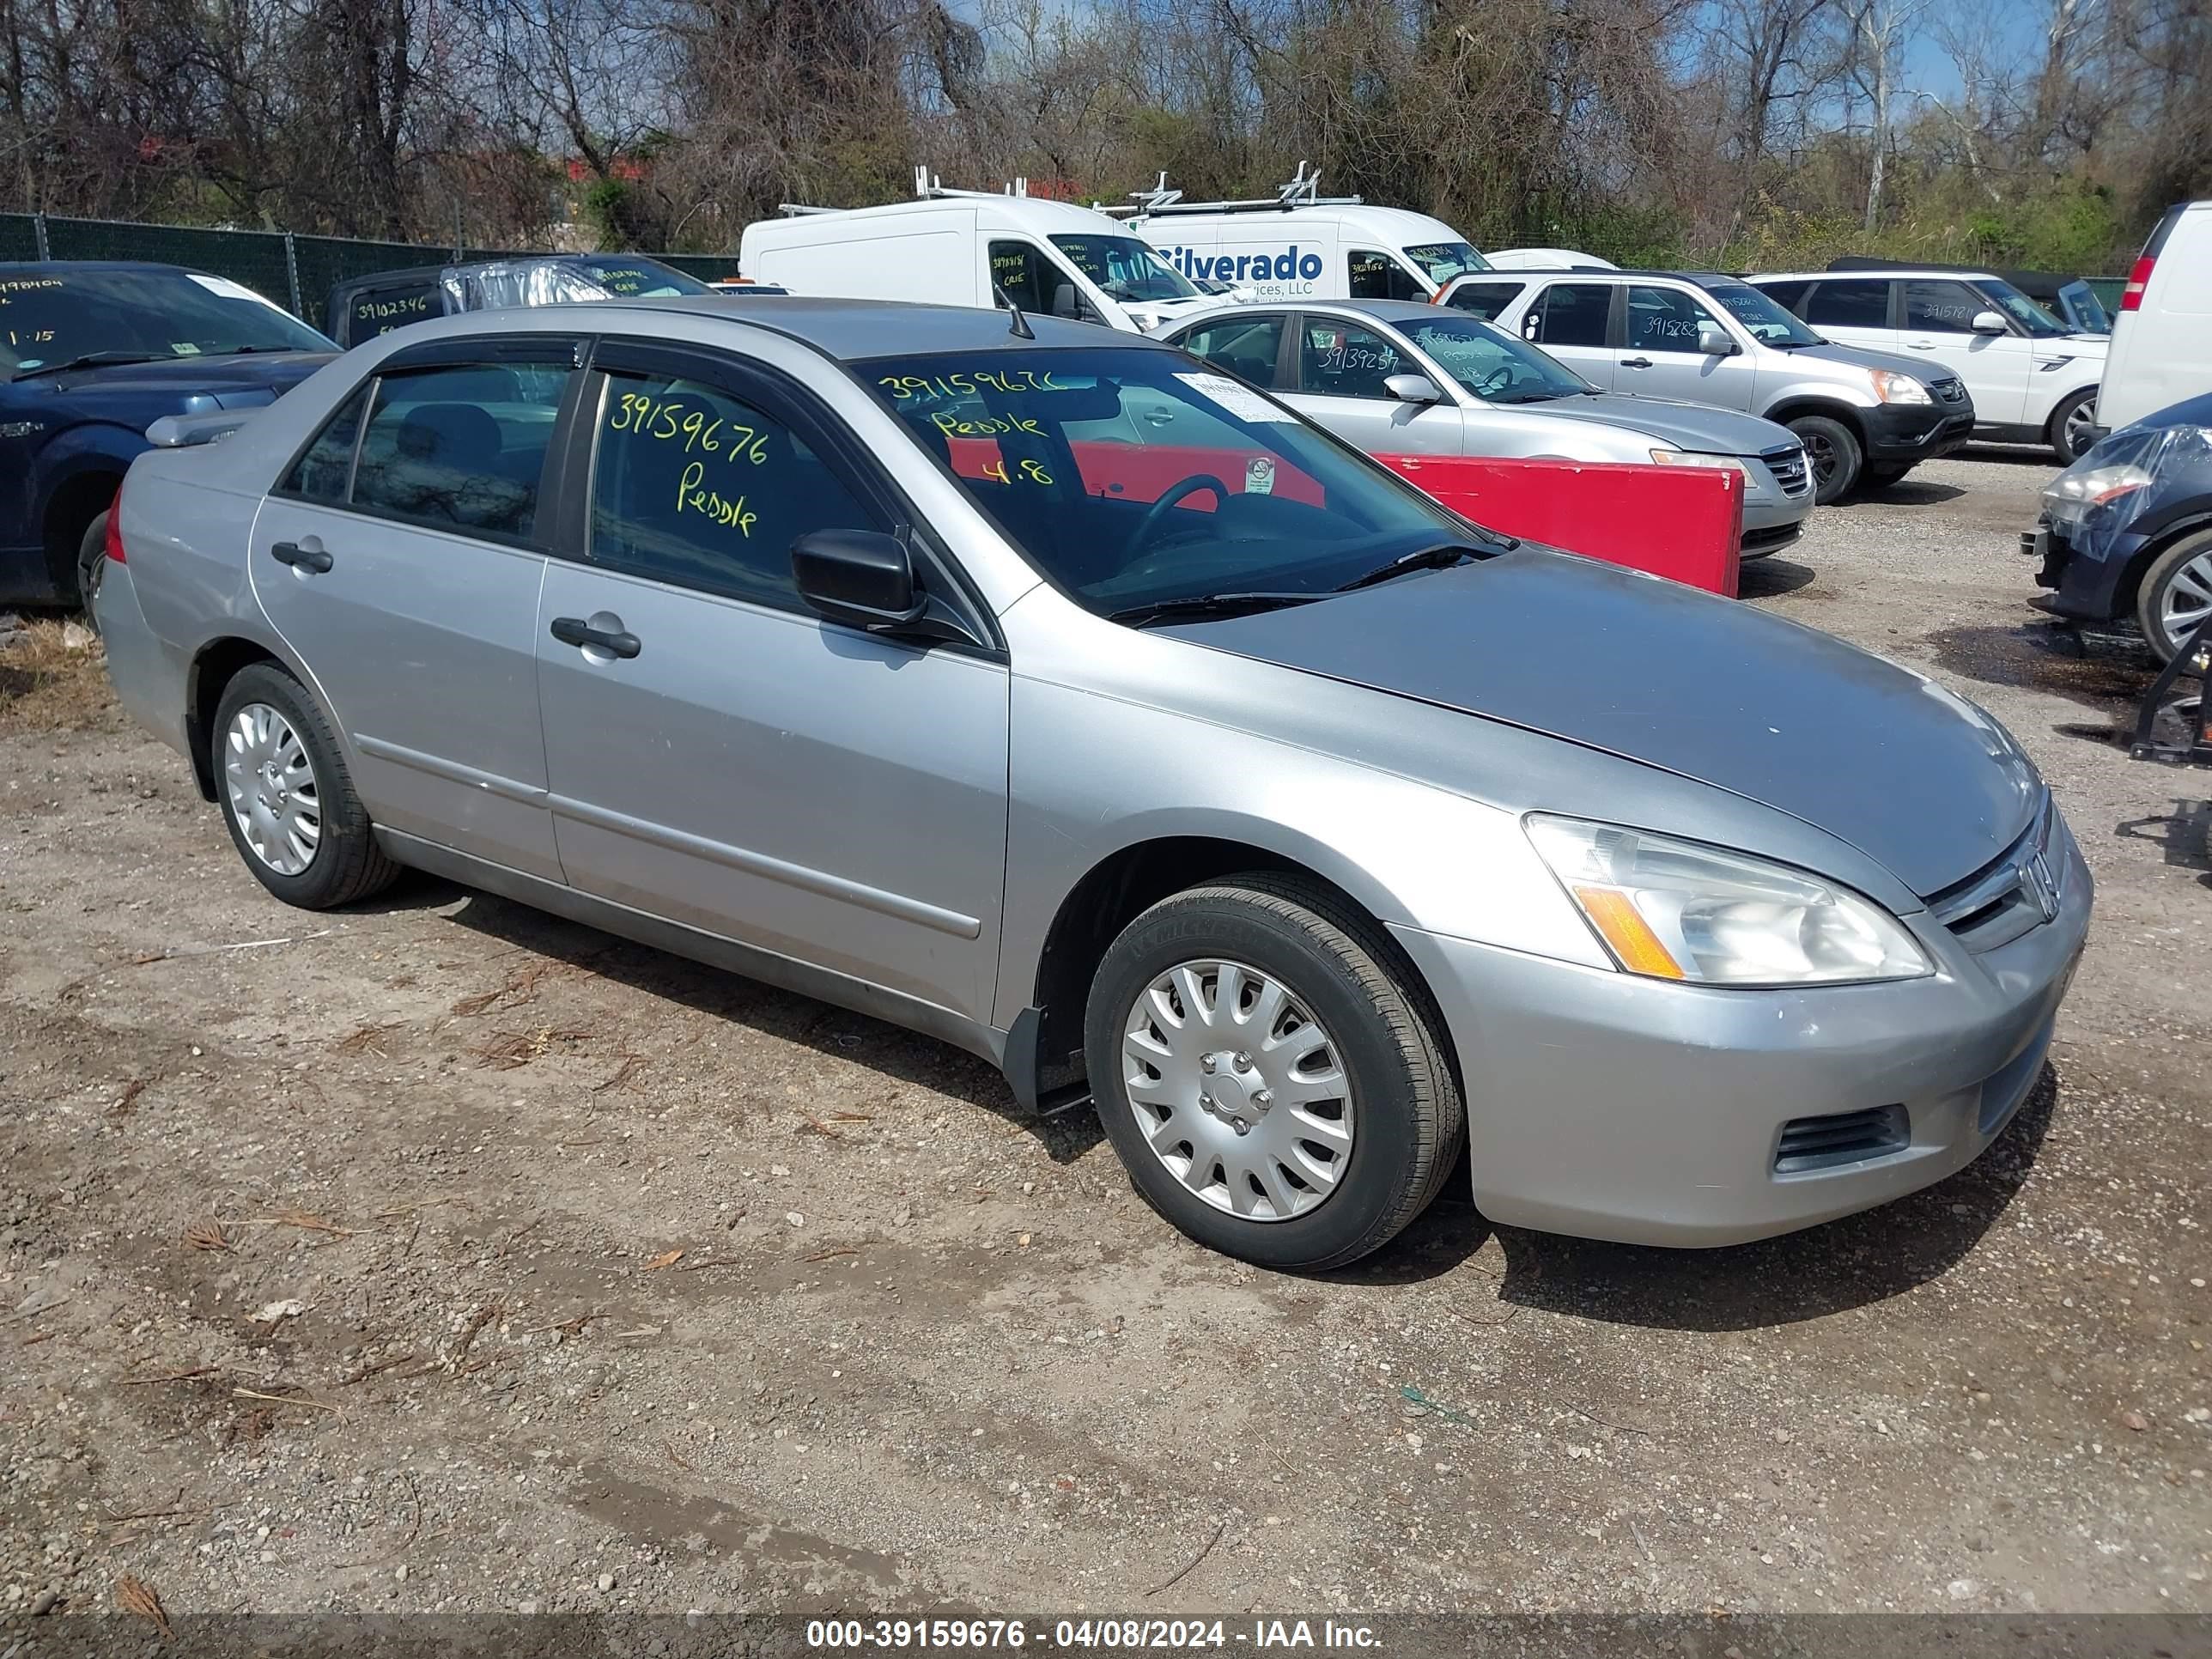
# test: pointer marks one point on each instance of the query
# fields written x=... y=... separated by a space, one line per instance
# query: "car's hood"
x=1921 y=368
x=228 y=382
x=1915 y=777
x=1694 y=426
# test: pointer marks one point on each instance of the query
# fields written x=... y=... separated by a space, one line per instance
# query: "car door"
x=732 y=762
x=1341 y=368
x=1572 y=321
x=1247 y=344
x=1937 y=324
x=401 y=557
x=1660 y=356
x=1850 y=311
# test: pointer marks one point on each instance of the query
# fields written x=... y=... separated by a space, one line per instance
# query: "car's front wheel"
x=287 y=796
x=1834 y=454
x=2175 y=596
x=1271 y=1073
x=91 y=565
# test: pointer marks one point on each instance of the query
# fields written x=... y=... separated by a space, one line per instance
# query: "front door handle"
x=575 y=630
x=302 y=558
x=1636 y=362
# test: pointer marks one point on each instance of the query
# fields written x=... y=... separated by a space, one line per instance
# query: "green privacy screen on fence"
x=297 y=272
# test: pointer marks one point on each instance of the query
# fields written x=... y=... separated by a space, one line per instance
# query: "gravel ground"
x=438 y=1255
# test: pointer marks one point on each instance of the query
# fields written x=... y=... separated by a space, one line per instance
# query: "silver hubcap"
x=2078 y=424
x=1238 y=1090
x=2187 y=601
x=272 y=789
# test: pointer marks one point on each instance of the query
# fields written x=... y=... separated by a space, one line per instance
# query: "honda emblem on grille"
x=2035 y=875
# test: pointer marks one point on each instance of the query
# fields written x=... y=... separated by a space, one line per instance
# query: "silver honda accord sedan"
x=1330 y=845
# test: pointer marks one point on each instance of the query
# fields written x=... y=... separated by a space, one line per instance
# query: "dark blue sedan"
x=93 y=354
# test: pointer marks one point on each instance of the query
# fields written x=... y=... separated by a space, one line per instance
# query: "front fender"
x=1094 y=775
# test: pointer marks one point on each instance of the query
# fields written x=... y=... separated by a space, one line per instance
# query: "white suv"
x=2032 y=382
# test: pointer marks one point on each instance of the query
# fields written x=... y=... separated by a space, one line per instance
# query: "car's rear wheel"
x=288 y=798
x=2072 y=424
x=91 y=565
x=1271 y=1076
x=1834 y=454
x=2175 y=596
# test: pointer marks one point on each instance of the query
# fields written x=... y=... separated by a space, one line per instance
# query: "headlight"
x=1673 y=909
x=1893 y=387
x=2070 y=496
x=1685 y=458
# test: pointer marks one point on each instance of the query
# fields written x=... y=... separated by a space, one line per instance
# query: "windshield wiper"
x=1198 y=606
x=1434 y=557
x=88 y=359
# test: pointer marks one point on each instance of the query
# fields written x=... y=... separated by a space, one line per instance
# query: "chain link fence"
x=296 y=271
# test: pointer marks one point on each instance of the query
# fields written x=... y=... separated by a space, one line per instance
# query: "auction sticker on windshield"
x=1241 y=401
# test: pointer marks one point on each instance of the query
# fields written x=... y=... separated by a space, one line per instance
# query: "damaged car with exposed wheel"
x=1335 y=850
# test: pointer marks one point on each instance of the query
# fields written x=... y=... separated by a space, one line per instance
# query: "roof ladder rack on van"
x=1304 y=190
x=925 y=187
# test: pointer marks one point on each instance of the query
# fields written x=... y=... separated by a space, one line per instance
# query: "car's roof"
x=78 y=267
x=1592 y=273
x=1883 y=273
x=848 y=329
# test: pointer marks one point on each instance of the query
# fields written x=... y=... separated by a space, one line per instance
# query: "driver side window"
x=1665 y=319
x=1342 y=360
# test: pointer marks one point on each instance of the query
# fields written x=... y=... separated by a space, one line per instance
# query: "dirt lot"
x=440 y=1255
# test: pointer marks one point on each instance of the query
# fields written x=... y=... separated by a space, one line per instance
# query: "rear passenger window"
x=1849 y=305
x=1569 y=314
x=1485 y=300
x=1247 y=348
x=460 y=448
x=323 y=473
x=698 y=488
x=1372 y=276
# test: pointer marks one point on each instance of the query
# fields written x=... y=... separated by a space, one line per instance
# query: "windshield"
x=1769 y=325
x=1492 y=364
x=1131 y=478
x=639 y=279
x=145 y=314
x=1444 y=260
x=1125 y=268
x=2017 y=306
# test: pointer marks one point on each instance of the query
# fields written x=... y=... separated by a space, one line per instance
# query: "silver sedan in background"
x=1397 y=377
x=1235 y=787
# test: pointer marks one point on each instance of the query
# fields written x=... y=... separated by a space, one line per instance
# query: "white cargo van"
x=2161 y=350
x=965 y=247
x=1303 y=246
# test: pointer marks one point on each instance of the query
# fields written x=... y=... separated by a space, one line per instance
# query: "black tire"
x=346 y=865
x=91 y=565
x=1880 y=476
x=1833 y=452
x=1409 y=1122
x=2069 y=445
x=2160 y=577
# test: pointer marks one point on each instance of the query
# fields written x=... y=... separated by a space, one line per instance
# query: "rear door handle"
x=302 y=558
x=575 y=630
x=1636 y=362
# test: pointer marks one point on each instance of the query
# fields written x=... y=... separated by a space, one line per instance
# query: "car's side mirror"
x=859 y=577
x=1988 y=322
x=1714 y=341
x=1413 y=389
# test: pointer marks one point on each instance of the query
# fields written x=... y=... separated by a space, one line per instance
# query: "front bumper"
x=2087 y=584
x=1611 y=1106
x=1915 y=432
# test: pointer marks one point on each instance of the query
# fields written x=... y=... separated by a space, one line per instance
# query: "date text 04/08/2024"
x=1121 y=1634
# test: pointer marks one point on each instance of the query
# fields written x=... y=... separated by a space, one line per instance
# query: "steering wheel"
x=1149 y=525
